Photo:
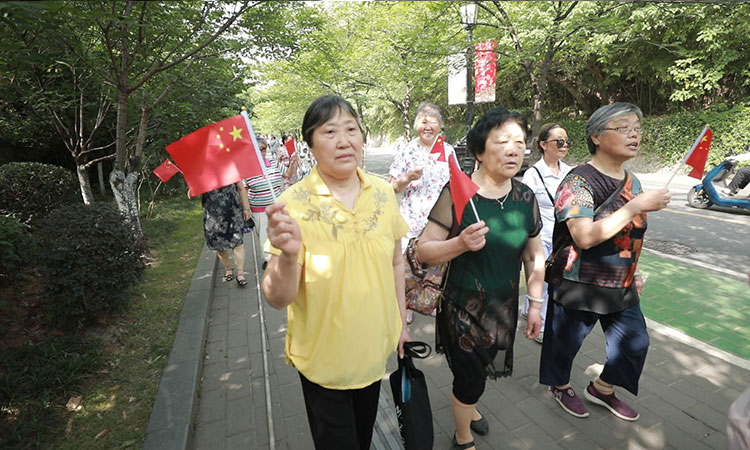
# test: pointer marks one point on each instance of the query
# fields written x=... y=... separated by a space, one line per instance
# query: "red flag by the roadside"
x=462 y=188
x=290 y=147
x=166 y=170
x=216 y=155
x=698 y=154
x=439 y=148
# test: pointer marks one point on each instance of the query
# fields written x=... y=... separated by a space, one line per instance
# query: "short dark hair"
x=544 y=134
x=477 y=136
x=323 y=109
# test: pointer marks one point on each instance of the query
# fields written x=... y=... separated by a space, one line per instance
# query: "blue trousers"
x=625 y=334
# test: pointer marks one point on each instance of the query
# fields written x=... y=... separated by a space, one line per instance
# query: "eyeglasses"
x=626 y=130
x=560 y=142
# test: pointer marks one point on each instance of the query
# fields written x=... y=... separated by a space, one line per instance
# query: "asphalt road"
x=713 y=237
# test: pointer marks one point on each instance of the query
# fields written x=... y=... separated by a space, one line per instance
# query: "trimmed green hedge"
x=14 y=243
x=666 y=139
x=31 y=190
x=89 y=261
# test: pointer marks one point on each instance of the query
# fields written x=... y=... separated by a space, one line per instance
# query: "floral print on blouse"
x=420 y=195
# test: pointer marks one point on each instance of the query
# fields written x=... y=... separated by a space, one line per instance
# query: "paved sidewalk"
x=684 y=398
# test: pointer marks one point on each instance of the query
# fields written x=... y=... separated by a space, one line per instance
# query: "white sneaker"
x=540 y=338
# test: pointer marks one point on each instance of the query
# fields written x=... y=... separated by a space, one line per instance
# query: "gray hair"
x=598 y=121
x=428 y=109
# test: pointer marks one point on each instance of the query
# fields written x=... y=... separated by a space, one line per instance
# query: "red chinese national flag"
x=439 y=147
x=698 y=154
x=166 y=170
x=290 y=147
x=216 y=155
x=462 y=188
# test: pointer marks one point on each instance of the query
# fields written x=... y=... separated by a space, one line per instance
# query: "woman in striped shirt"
x=259 y=194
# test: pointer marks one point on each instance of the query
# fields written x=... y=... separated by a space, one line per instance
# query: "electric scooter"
x=708 y=193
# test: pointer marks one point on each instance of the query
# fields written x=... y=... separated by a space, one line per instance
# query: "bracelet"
x=636 y=274
x=246 y=209
x=534 y=299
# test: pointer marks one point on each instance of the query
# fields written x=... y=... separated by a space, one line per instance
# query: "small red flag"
x=166 y=170
x=290 y=147
x=216 y=155
x=462 y=188
x=698 y=154
x=439 y=147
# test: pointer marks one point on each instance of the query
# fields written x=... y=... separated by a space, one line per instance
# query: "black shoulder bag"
x=551 y=198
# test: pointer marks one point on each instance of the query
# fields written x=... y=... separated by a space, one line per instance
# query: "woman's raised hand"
x=472 y=237
x=283 y=230
x=652 y=201
x=414 y=174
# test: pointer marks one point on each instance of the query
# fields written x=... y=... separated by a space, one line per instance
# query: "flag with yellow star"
x=216 y=155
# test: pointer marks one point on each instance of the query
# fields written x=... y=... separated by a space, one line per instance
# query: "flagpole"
x=261 y=160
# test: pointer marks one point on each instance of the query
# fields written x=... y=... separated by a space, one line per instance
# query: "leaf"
x=74 y=403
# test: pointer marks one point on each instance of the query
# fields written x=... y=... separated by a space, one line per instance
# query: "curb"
x=170 y=425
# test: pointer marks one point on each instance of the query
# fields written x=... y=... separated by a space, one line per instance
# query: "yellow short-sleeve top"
x=345 y=321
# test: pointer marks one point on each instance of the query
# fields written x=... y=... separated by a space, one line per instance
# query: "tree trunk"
x=85 y=183
x=100 y=172
x=407 y=124
x=123 y=188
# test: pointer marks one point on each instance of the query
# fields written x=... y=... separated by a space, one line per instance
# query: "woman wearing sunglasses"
x=543 y=178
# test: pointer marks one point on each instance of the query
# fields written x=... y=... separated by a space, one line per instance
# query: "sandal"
x=480 y=426
x=457 y=446
x=229 y=276
x=241 y=281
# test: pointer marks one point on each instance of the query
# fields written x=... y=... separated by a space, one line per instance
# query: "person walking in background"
x=336 y=265
x=260 y=195
x=601 y=222
x=225 y=211
x=543 y=178
x=478 y=316
x=418 y=174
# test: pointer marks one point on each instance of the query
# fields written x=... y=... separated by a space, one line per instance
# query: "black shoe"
x=242 y=282
x=229 y=276
x=457 y=446
x=481 y=426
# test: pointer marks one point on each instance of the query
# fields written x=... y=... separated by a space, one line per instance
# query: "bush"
x=14 y=242
x=89 y=260
x=32 y=190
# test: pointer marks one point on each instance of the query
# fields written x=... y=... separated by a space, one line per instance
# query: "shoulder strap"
x=615 y=193
x=551 y=198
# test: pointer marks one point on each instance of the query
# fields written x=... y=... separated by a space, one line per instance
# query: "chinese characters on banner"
x=485 y=71
x=457 y=79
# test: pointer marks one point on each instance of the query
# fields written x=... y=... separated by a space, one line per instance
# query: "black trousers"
x=740 y=180
x=341 y=419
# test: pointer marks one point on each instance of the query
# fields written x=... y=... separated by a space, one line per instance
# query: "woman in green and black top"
x=601 y=221
x=476 y=323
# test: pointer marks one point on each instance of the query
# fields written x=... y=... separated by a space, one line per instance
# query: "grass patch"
x=132 y=350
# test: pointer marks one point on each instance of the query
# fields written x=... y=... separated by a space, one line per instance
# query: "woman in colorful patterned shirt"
x=336 y=265
x=594 y=277
x=418 y=174
x=477 y=320
x=260 y=196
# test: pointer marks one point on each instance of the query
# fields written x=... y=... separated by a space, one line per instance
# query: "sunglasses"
x=560 y=142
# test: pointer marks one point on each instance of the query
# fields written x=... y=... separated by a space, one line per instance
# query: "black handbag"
x=411 y=399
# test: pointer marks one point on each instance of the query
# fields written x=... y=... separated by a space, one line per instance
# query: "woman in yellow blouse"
x=336 y=265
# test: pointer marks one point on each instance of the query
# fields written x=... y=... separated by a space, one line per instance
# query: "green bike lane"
x=701 y=303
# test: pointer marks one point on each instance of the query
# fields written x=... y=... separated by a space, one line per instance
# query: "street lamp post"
x=468 y=21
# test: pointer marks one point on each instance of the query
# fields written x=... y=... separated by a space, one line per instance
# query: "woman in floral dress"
x=476 y=322
x=419 y=174
x=224 y=213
